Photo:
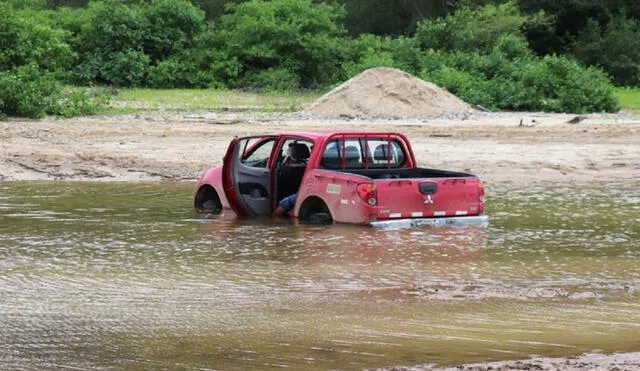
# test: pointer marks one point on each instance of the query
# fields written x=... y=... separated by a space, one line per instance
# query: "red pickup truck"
x=341 y=176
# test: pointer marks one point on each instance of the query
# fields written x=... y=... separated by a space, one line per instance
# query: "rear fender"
x=213 y=178
x=338 y=191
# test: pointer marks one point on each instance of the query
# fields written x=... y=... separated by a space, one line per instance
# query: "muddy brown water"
x=126 y=275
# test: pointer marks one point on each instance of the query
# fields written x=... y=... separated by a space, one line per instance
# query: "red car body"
x=344 y=176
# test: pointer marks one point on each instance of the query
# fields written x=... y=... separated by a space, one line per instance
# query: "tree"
x=293 y=38
x=467 y=29
x=121 y=41
x=616 y=49
x=570 y=17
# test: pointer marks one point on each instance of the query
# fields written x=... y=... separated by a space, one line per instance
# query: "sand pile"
x=387 y=93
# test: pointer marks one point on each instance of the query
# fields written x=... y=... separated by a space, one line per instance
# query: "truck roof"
x=317 y=134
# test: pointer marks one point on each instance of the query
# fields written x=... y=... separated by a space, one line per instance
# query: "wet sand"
x=504 y=149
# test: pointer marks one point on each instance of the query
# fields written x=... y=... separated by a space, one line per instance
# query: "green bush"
x=172 y=24
x=406 y=54
x=126 y=68
x=27 y=4
x=121 y=42
x=483 y=57
x=560 y=84
x=271 y=79
x=26 y=41
x=33 y=56
x=203 y=65
x=510 y=77
x=298 y=35
x=368 y=51
x=28 y=91
x=182 y=71
x=81 y=102
x=470 y=30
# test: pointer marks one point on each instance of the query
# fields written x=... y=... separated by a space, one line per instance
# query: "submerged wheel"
x=207 y=201
x=315 y=211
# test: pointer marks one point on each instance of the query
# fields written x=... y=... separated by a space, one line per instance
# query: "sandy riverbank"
x=179 y=145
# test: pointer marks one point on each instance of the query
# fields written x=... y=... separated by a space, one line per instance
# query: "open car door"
x=247 y=174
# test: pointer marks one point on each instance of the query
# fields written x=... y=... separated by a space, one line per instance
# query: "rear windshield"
x=358 y=153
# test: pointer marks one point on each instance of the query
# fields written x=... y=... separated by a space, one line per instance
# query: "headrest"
x=380 y=154
x=299 y=151
x=352 y=153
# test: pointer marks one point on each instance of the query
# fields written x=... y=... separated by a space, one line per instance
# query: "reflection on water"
x=127 y=276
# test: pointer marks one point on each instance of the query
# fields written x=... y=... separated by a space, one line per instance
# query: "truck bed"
x=405 y=173
x=412 y=193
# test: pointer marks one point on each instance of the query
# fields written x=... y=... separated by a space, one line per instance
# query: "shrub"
x=482 y=56
x=298 y=35
x=368 y=51
x=560 y=84
x=113 y=27
x=27 y=91
x=271 y=79
x=203 y=65
x=463 y=84
x=121 y=42
x=498 y=81
x=182 y=71
x=406 y=54
x=470 y=30
x=81 y=102
x=172 y=24
x=26 y=41
x=126 y=68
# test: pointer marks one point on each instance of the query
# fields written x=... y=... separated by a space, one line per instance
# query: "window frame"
x=366 y=155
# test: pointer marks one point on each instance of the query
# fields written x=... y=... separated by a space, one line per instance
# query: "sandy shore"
x=544 y=149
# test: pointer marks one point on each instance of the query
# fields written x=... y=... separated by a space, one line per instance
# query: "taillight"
x=368 y=193
x=481 y=197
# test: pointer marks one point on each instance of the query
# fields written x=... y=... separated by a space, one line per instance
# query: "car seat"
x=291 y=173
x=352 y=157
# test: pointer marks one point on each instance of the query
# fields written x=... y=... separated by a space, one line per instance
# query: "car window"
x=384 y=153
x=288 y=145
x=360 y=153
x=255 y=153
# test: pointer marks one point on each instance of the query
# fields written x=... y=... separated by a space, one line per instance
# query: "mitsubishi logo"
x=428 y=200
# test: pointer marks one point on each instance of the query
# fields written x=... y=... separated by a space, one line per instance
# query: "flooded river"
x=126 y=275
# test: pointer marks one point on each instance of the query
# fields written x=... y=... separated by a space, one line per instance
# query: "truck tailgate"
x=429 y=197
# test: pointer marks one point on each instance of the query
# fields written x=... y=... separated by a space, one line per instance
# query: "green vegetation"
x=33 y=56
x=149 y=99
x=483 y=57
x=500 y=54
x=629 y=98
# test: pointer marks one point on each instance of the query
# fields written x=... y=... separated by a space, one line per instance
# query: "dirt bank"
x=505 y=149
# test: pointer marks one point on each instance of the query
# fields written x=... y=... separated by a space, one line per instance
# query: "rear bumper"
x=481 y=220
